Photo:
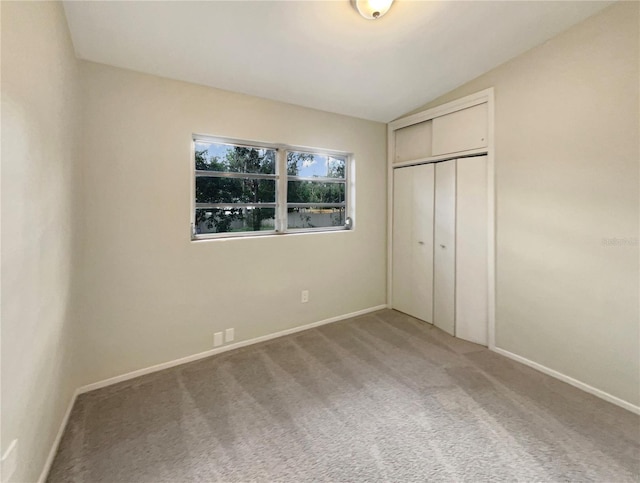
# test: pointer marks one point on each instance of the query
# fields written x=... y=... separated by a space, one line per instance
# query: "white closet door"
x=413 y=241
x=444 y=263
x=413 y=142
x=471 y=250
x=461 y=130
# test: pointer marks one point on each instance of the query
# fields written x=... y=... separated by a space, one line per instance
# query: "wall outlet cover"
x=229 y=335
x=217 y=339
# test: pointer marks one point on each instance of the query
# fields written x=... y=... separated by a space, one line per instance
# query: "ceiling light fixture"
x=371 y=9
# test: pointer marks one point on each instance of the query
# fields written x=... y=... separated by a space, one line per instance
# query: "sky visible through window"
x=318 y=166
x=315 y=165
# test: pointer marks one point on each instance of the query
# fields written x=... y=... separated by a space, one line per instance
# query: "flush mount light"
x=371 y=9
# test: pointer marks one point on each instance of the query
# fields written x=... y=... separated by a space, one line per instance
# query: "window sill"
x=272 y=234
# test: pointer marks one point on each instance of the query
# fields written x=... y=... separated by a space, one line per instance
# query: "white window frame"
x=281 y=178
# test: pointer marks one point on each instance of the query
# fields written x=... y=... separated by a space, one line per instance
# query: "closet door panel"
x=445 y=246
x=413 y=142
x=402 y=236
x=471 y=250
x=413 y=241
x=461 y=130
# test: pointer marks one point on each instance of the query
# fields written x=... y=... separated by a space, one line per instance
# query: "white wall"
x=149 y=294
x=567 y=159
x=567 y=178
x=40 y=94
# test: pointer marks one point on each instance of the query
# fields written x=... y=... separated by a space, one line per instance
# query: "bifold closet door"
x=413 y=241
x=472 y=250
x=444 y=259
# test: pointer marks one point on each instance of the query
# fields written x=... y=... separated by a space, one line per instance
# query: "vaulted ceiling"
x=319 y=54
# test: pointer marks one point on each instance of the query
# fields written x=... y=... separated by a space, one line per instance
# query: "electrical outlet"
x=10 y=460
x=305 y=296
x=217 y=339
x=229 y=335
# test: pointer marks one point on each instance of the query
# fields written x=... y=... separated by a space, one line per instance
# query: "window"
x=253 y=188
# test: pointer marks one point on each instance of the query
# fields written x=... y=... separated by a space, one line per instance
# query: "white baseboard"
x=165 y=365
x=218 y=350
x=570 y=380
x=177 y=362
x=56 y=441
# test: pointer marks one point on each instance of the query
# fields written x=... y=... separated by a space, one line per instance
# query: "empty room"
x=331 y=241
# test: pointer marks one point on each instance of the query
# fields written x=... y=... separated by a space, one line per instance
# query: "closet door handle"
x=442 y=246
x=420 y=243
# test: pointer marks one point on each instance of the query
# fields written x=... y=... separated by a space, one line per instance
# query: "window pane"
x=315 y=217
x=235 y=159
x=315 y=192
x=234 y=220
x=309 y=165
x=235 y=190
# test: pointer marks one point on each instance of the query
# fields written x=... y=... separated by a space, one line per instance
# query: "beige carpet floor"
x=382 y=397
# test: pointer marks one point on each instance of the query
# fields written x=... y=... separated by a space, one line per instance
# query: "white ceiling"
x=319 y=54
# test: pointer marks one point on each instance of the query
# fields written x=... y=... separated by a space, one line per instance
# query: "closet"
x=441 y=224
